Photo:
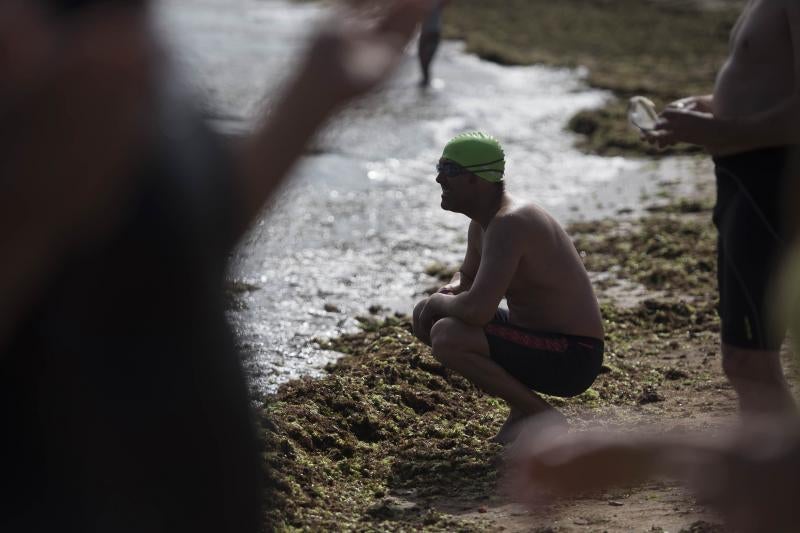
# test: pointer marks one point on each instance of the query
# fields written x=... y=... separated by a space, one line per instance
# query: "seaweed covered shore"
x=390 y=440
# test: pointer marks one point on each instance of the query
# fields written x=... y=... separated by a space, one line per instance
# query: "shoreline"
x=662 y=49
x=390 y=440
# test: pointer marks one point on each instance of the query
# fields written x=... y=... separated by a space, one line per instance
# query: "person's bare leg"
x=464 y=349
x=428 y=43
x=757 y=377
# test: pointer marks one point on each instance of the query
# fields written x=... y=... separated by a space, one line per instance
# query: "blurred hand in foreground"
x=73 y=106
x=547 y=463
x=750 y=476
x=75 y=100
x=352 y=54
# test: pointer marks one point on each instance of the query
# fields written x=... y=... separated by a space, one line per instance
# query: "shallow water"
x=360 y=221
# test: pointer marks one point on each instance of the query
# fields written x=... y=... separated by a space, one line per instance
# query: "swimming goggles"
x=448 y=169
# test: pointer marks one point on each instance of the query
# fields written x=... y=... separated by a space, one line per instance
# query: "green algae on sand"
x=390 y=440
x=379 y=440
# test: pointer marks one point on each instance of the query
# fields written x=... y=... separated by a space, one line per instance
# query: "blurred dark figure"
x=429 y=37
x=123 y=405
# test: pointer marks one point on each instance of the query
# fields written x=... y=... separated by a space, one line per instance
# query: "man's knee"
x=416 y=325
x=447 y=336
x=418 y=309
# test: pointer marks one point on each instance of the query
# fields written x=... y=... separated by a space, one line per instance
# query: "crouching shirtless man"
x=550 y=340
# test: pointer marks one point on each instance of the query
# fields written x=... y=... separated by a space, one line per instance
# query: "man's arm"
x=344 y=62
x=502 y=250
x=423 y=318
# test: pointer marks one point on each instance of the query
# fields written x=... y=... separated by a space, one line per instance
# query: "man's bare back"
x=550 y=289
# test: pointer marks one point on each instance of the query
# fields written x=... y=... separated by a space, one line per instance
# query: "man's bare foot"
x=509 y=430
x=515 y=423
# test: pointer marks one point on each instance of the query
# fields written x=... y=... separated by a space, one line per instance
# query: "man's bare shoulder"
x=525 y=214
x=524 y=219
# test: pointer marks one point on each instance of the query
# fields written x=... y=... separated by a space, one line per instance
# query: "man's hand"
x=690 y=120
x=693 y=127
x=425 y=315
x=350 y=56
x=701 y=104
x=433 y=310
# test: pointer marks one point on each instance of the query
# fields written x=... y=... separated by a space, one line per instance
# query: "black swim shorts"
x=751 y=243
x=550 y=363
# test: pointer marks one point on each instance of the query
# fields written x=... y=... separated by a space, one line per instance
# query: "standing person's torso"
x=433 y=21
x=550 y=290
x=759 y=72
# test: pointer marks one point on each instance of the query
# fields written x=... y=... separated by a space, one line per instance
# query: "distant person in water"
x=750 y=127
x=550 y=340
x=429 y=37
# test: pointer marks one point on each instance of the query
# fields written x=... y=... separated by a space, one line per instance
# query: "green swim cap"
x=479 y=153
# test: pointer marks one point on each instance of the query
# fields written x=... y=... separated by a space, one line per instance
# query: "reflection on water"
x=360 y=221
